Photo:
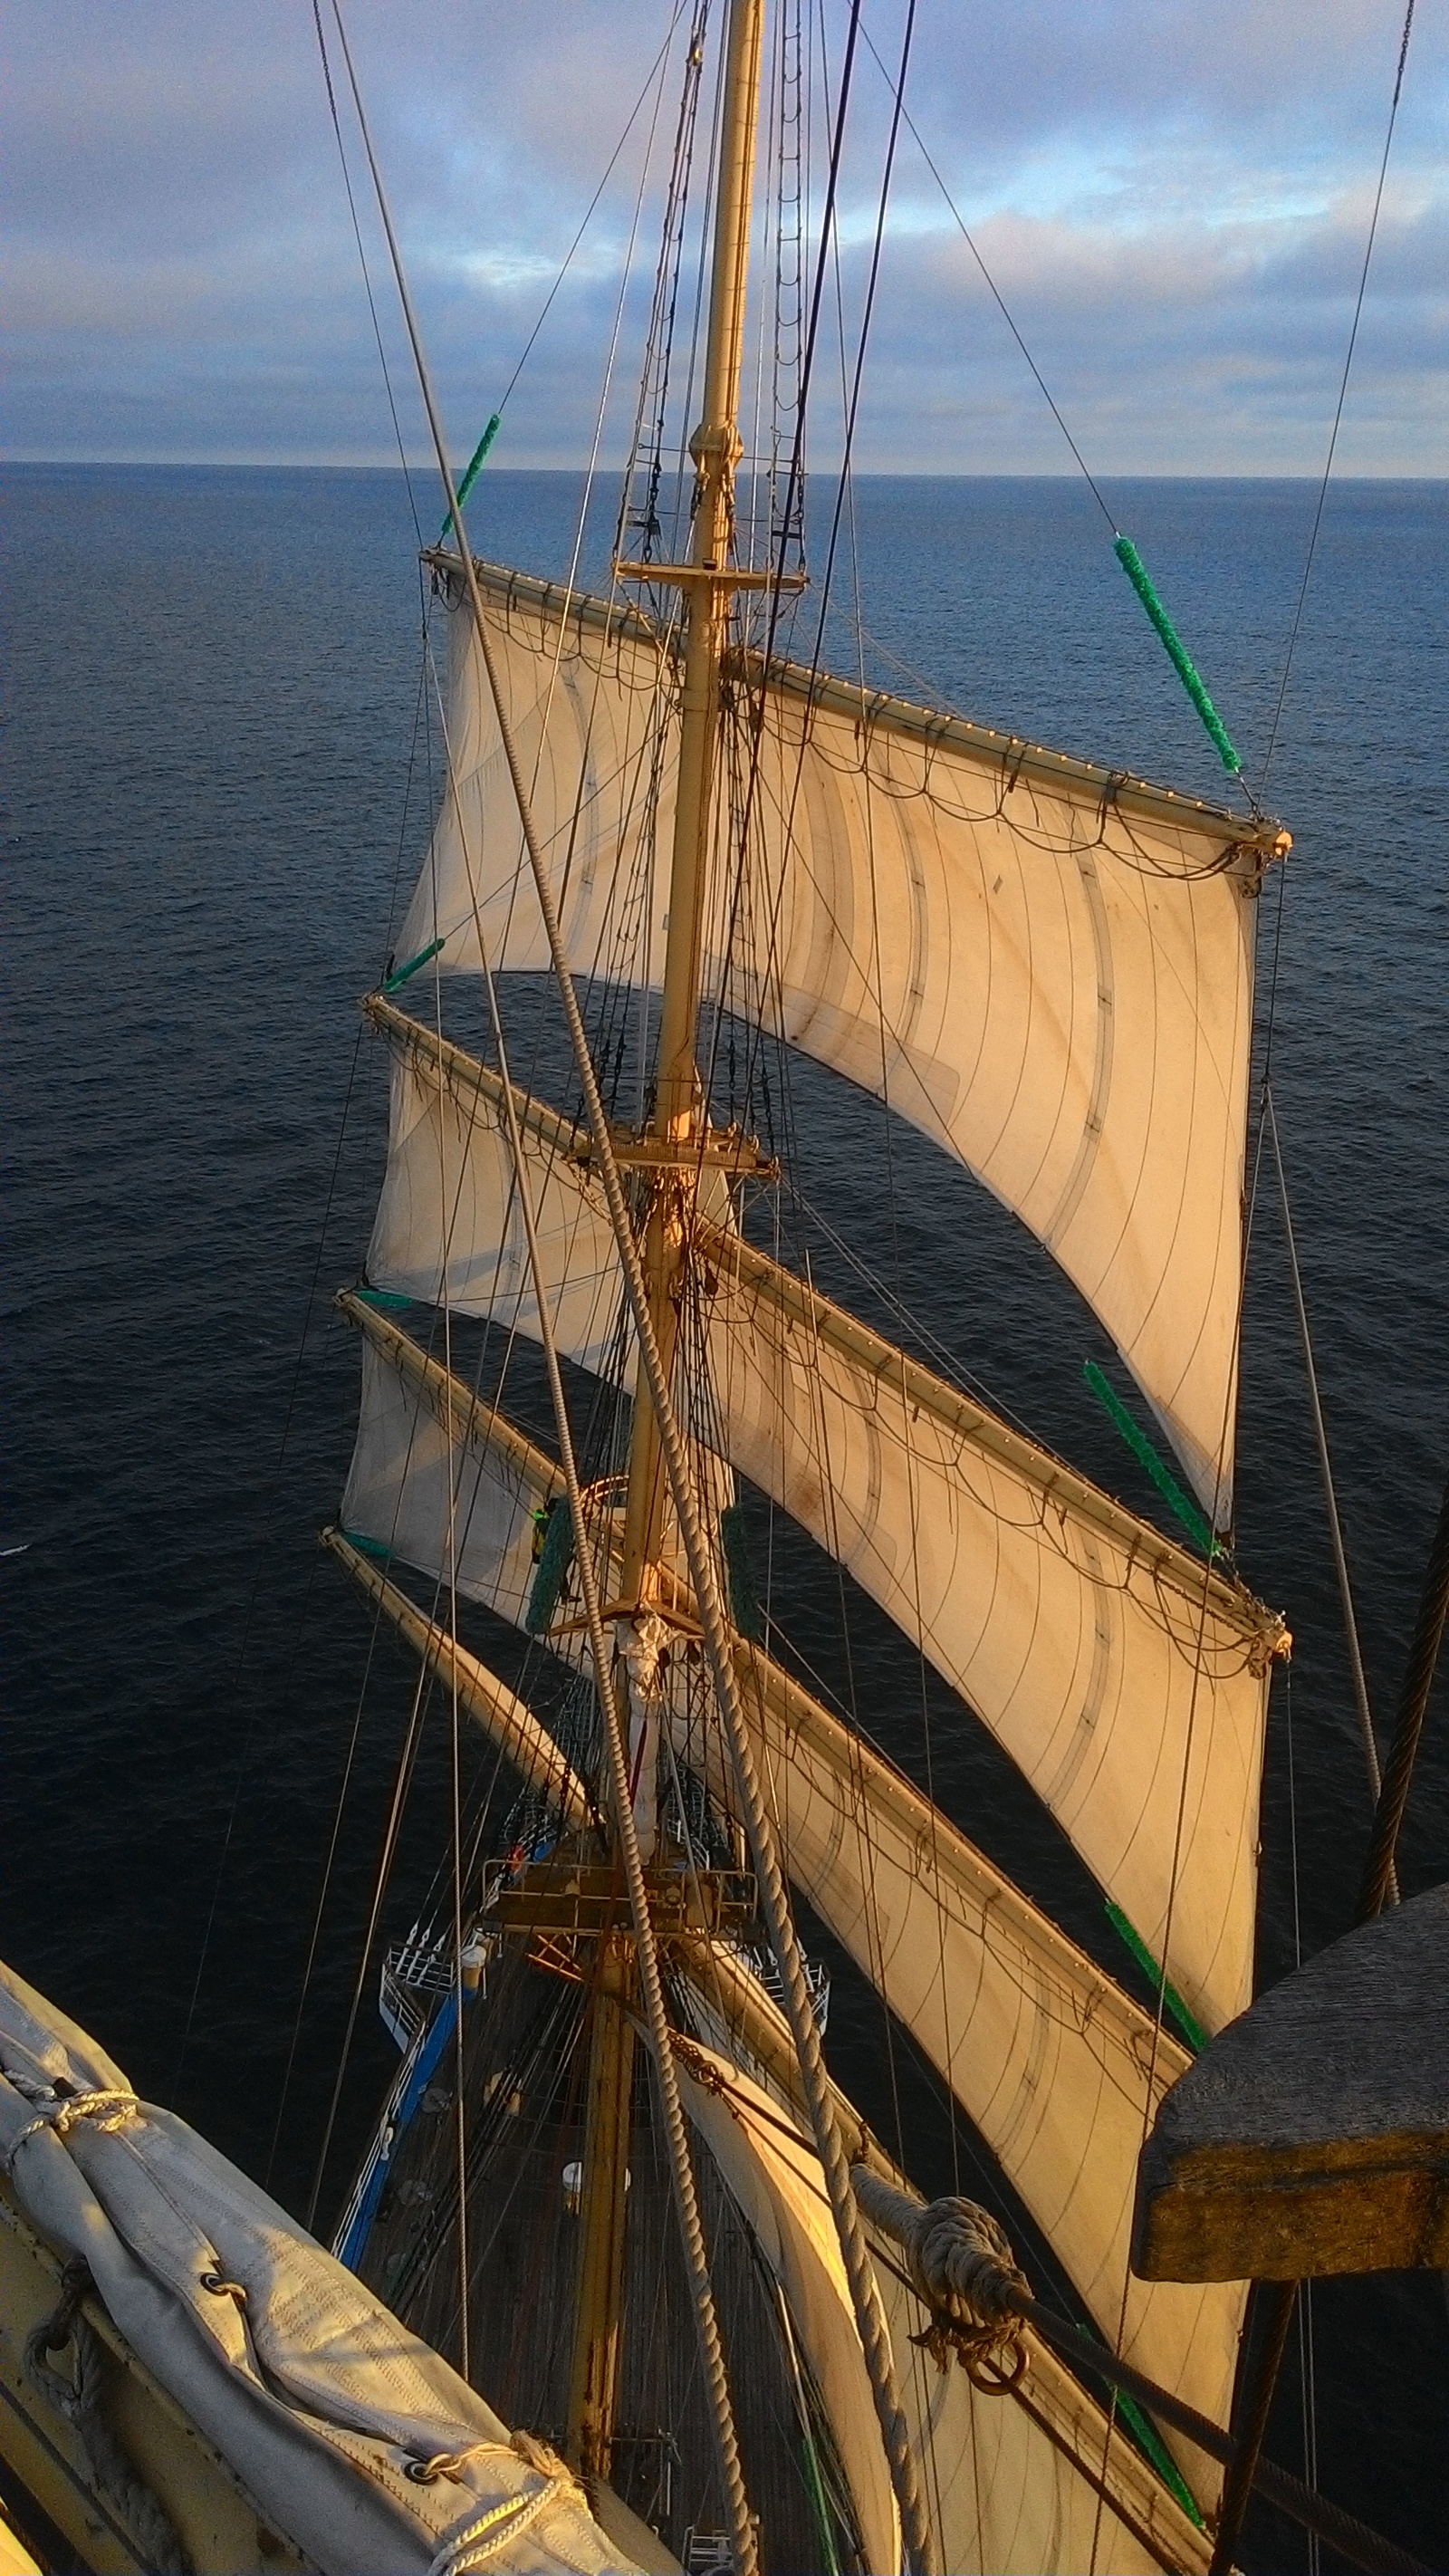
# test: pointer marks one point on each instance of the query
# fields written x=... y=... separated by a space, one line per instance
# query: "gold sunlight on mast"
x=715 y=448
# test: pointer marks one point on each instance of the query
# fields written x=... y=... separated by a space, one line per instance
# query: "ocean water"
x=221 y=780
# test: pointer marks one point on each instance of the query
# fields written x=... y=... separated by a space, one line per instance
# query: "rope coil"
x=78 y=2399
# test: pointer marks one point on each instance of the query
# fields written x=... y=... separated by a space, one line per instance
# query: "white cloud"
x=1173 y=200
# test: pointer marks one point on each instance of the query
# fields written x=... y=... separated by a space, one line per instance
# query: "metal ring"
x=221 y=2288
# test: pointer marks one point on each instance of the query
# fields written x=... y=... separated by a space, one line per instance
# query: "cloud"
x=1173 y=201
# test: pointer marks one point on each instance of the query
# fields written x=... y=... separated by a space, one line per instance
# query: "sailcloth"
x=1041 y=2049
x=1127 y=1682
x=1043 y=965
x=774 y=2178
x=1031 y=2483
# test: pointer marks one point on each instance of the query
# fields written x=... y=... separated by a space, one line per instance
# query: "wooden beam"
x=1312 y=2135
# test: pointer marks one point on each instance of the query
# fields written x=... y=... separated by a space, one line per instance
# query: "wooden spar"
x=481 y=1695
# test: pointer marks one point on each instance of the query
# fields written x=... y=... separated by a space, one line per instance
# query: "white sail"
x=1017 y=2486
x=774 y=2178
x=458 y=1508
x=449 y=1210
x=1031 y=2484
x=1041 y=2049
x=1128 y=1684
x=1043 y=965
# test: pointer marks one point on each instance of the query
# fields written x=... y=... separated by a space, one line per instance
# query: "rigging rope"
x=691 y=2227
x=1335 y=1529
x=1342 y=392
x=875 y=2334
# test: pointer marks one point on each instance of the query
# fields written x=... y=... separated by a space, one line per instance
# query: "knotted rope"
x=79 y=2400
x=506 y=2521
x=108 y=2111
x=962 y=2264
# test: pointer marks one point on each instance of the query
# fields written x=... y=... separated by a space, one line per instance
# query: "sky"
x=1173 y=199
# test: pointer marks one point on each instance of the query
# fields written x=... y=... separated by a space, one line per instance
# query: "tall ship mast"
x=614 y=2180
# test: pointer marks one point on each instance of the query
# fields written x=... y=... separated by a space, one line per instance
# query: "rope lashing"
x=554 y=1525
x=962 y=2264
x=1177 y=652
x=502 y=2523
x=107 y=2110
x=78 y=2399
x=472 y=470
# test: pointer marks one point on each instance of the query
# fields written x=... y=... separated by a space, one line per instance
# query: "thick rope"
x=499 y=2525
x=962 y=2266
x=79 y=2401
x=865 y=2295
x=107 y=2111
x=742 y=2526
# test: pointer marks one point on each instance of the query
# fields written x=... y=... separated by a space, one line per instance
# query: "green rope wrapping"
x=1136 y=571
x=1192 y=2029
x=744 y=1599
x=554 y=1559
x=401 y=973
x=1159 y=2454
x=472 y=470
x=1146 y=1456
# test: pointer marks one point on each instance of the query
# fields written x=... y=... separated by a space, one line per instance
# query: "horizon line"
x=426 y=468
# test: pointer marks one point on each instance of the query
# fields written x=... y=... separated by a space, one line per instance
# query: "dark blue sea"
x=221 y=780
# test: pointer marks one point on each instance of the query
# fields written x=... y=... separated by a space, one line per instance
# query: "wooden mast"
x=708 y=582
x=674 y=1131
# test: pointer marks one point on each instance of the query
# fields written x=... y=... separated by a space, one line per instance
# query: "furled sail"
x=1127 y=1682
x=1045 y=966
x=1040 y=2047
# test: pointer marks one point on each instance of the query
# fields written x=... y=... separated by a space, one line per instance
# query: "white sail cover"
x=1044 y=966
x=1128 y=1684
x=1041 y=2049
x=306 y=2384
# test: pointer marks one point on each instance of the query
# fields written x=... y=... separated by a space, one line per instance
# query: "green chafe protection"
x=472 y=470
x=1146 y=1456
x=553 y=1561
x=744 y=1600
x=367 y=1546
x=1191 y=2029
x=400 y=974
x=1160 y=2456
x=387 y=1298
x=1177 y=653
